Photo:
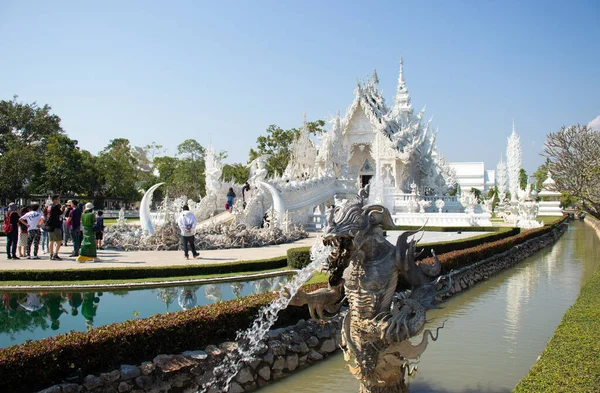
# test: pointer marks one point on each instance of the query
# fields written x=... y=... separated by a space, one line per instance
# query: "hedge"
x=571 y=361
x=146 y=272
x=445 y=247
x=38 y=364
x=300 y=256
x=460 y=258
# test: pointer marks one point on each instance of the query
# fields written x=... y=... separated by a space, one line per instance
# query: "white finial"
x=513 y=130
x=402 y=98
x=375 y=78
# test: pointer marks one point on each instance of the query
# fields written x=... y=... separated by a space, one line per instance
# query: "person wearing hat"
x=87 y=252
x=11 y=228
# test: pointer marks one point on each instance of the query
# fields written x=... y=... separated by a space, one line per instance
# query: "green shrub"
x=460 y=258
x=445 y=247
x=45 y=362
x=120 y=273
x=298 y=257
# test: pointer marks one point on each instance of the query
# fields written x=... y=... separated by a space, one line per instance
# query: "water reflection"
x=34 y=315
x=187 y=297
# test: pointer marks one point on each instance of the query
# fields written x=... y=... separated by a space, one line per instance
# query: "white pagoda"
x=549 y=204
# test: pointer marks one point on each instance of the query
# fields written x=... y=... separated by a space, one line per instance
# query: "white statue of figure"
x=502 y=180
x=213 y=171
x=514 y=162
x=258 y=170
x=439 y=204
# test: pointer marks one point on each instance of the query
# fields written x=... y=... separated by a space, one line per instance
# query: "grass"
x=571 y=361
x=112 y=221
x=317 y=278
x=149 y=281
x=548 y=220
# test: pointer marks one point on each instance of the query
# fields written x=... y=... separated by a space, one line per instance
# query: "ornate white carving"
x=514 y=158
x=501 y=180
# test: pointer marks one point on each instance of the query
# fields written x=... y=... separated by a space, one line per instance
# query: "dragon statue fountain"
x=365 y=269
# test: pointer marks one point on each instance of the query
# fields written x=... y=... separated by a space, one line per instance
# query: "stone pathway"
x=111 y=258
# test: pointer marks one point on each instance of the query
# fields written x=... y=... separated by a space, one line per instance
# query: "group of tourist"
x=53 y=226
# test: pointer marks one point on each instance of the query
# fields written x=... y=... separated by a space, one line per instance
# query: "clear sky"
x=223 y=71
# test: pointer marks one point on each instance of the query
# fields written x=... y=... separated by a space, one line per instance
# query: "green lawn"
x=148 y=281
x=112 y=221
x=571 y=361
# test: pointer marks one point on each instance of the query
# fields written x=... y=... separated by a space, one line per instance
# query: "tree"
x=541 y=174
x=189 y=173
x=523 y=179
x=277 y=144
x=63 y=162
x=24 y=133
x=236 y=173
x=477 y=193
x=574 y=154
x=27 y=123
x=120 y=170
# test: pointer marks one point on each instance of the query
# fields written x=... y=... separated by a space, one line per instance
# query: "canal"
x=493 y=333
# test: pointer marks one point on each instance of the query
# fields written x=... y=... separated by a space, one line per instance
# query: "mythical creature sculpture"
x=380 y=318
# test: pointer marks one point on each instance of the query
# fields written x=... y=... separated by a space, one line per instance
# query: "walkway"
x=111 y=258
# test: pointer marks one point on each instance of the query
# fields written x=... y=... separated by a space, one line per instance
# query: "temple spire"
x=402 y=100
x=374 y=78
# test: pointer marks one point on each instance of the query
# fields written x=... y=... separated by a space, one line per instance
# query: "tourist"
x=45 y=239
x=230 y=198
x=66 y=232
x=23 y=234
x=11 y=229
x=32 y=220
x=88 y=245
x=53 y=228
x=187 y=225
x=74 y=224
x=245 y=188
x=99 y=230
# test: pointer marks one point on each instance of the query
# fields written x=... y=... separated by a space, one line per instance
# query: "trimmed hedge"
x=460 y=258
x=146 y=272
x=298 y=257
x=41 y=363
x=571 y=361
x=445 y=247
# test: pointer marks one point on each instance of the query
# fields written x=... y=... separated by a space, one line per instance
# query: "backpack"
x=7 y=226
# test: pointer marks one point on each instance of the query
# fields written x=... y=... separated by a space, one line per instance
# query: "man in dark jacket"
x=12 y=235
x=74 y=223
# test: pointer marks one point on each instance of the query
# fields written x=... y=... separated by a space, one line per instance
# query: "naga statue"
x=381 y=318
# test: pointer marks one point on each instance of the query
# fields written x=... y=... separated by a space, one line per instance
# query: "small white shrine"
x=549 y=204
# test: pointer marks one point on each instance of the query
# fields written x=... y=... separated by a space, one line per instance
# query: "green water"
x=36 y=315
x=494 y=332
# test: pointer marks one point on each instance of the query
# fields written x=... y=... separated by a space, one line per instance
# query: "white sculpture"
x=439 y=204
x=145 y=217
x=514 y=158
x=502 y=180
x=213 y=171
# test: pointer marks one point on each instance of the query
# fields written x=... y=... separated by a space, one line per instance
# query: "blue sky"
x=168 y=71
